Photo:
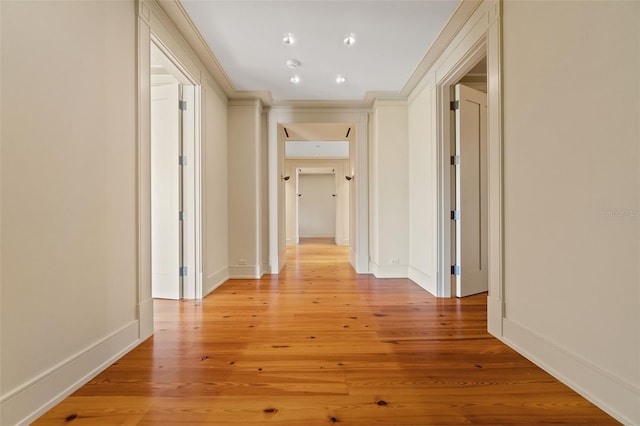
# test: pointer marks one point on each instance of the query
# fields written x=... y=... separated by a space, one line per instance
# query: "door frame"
x=191 y=180
x=151 y=29
x=482 y=39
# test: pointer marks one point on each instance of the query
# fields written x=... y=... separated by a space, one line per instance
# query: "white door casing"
x=471 y=191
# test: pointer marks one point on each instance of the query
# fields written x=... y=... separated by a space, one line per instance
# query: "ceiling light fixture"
x=288 y=39
x=293 y=63
x=349 y=40
x=295 y=79
x=341 y=79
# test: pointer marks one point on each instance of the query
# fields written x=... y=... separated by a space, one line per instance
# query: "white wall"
x=68 y=205
x=316 y=205
x=342 y=190
x=215 y=199
x=423 y=190
x=572 y=192
x=389 y=190
x=571 y=189
x=245 y=182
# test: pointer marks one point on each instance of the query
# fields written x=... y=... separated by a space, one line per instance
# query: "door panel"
x=471 y=191
x=165 y=192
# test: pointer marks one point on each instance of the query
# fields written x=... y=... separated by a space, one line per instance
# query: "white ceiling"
x=392 y=37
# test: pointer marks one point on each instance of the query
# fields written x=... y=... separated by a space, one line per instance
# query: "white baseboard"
x=214 y=281
x=389 y=271
x=423 y=280
x=25 y=404
x=244 y=271
x=342 y=241
x=615 y=395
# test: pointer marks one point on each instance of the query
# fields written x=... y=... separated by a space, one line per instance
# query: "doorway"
x=174 y=156
x=317 y=204
x=469 y=214
x=316 y=192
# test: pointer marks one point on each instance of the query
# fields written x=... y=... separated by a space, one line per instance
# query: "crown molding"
x=176 y=13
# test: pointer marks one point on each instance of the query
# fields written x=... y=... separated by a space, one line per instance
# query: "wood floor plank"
x=320 y=345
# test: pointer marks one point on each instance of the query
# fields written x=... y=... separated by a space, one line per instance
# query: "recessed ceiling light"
x=288 y=39
x=349 y=40
x=341 y=79
x=293 y=63
x=295 y=79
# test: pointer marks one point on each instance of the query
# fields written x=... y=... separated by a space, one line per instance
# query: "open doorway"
x=174 y=156
x=316 y=191
x=317 y=212
x=469 y=214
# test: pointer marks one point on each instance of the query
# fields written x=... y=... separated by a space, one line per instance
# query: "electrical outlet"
x=395 y=261
x=242 y=261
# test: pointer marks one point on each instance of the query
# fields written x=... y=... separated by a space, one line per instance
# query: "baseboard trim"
x=342 y=241
x=244 y=271
x=616 y=396
x=214 y=281
x=387 y=271
x=423 y=280
x=25 y=404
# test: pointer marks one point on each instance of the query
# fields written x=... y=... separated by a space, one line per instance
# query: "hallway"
x=318 y=345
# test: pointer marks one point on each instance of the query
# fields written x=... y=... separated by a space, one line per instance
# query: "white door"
x=471 y=191
x=165 y=192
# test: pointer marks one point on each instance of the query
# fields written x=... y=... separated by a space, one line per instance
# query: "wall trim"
x=244 y=271
x=423 y=280
x=44 y=392
x=389 y=271
x=342 y=241
x=214 y=281
x=611 y=393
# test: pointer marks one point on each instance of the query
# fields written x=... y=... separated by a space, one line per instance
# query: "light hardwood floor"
x=320 y=345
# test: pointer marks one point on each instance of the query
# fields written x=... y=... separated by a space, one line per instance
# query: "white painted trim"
x=215 y=280
x=389 y=271
x=244 y=271
x=145 y=319
x=425 y=281
x=613 y=394
x=342 y=241
x=143 y=172
x=16 y=406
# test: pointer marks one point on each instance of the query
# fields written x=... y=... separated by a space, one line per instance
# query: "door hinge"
x=455 y=269
x=182 y=160
x=455 y=160
x=183 y=271
x=181 y=215
x=182 y=105
x=455 y=215
x=454 y=105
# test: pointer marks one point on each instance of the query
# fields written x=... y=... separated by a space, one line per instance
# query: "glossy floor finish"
x=320 y=345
